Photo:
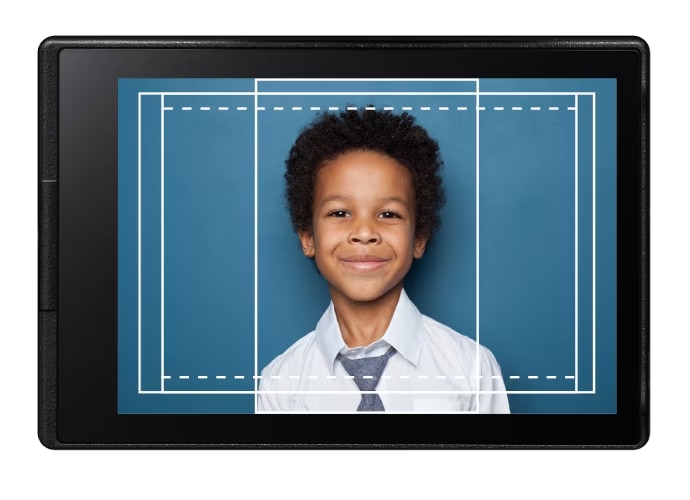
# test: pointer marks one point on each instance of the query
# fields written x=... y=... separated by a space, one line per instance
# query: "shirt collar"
x=404 y=332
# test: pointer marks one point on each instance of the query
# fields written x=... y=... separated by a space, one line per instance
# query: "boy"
x=364 y=194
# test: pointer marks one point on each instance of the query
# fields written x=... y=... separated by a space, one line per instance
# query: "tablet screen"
x=213 y=284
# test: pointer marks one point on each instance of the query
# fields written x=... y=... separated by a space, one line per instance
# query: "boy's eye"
x=338 y=213
x=389 y=215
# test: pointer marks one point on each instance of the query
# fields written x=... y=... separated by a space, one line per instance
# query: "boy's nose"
x=364 y=233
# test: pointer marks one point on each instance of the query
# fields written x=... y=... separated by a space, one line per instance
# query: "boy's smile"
x=363 y=236
x=363 y=262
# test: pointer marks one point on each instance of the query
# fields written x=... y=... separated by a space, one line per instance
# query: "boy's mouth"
x=363 y=262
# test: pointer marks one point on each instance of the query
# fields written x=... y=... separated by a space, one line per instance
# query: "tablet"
x=177 y=307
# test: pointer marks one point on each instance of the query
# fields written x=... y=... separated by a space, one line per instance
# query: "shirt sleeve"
x=493 y=398
x=271 y=402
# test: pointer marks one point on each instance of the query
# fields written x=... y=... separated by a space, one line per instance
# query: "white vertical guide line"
x=256 y=243
x=577 y=145
x=476 y=196
x=162 y=243
x=139 y=242
x=594 y=246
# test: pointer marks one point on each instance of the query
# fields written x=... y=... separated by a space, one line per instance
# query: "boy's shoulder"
x=445 y=338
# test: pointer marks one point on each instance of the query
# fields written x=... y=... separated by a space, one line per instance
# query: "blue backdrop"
x=213 y=284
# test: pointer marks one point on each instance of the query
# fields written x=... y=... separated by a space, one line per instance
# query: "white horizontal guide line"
x=368 y=392
x=402 y=93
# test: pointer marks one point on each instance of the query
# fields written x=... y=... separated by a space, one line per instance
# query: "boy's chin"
x=363 y=296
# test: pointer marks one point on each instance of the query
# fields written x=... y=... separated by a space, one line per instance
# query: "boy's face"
x=363 y=237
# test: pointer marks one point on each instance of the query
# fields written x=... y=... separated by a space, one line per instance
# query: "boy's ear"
x=420 y=245
x=307 y=239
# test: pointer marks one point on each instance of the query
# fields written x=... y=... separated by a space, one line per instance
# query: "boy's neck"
x=363 y=323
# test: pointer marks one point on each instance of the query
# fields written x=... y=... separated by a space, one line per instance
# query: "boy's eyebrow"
x=334 y=197
x=396 y=199
x=338 y=197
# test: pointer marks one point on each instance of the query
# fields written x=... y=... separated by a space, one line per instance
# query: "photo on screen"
x=213 y=284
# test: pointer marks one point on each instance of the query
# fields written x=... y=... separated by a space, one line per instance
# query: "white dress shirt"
x=435 y=369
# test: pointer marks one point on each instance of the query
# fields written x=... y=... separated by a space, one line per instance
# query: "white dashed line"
x=370 y=108
x=387 y=377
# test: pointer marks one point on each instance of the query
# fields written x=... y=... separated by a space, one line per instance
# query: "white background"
x=28 y=470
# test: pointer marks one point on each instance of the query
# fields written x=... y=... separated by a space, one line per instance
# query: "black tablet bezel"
x=78 y=235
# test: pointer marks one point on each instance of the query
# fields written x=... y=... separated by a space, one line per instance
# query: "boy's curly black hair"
x=397 y=136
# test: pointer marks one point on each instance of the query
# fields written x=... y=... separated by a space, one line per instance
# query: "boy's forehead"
x=362 y=163
x=365 y=171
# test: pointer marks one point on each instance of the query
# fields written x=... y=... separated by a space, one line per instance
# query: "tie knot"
x=366 y=371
